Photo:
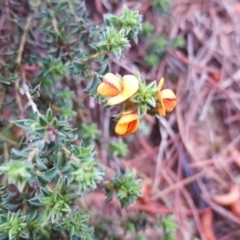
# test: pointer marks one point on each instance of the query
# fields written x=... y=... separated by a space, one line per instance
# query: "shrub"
x=48 y=49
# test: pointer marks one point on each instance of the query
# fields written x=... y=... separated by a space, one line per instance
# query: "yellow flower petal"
x=169 y=104
x=121 y=129
x=106 y=91
x=128 y=118
x=161 y=108
x=167 y=94
x=113 y=81
x=169 y=99
x=160 y=84
x=130 y=86
x=133 y=126
x=110 y=87
x=127 y=128
x=127 y=124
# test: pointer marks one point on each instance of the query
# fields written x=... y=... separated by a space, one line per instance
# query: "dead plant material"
x=207 y=224
x=227 y=199
x=205 y=75
x=220 y=210
x=235 y=208
x=235 y=154
x=208 y=110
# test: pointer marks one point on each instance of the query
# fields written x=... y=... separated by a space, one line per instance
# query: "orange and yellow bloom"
x=136 y=97
x=128 y=123
x=166 y=98
x=118 y=91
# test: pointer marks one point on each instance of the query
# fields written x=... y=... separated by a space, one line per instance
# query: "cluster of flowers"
x=123 y=91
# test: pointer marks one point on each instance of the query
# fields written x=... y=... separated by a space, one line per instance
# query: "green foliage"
x=179 y=42
x=51 y=53
x=159 y=47
x=161 y=6
x=89 y=132
x=135 y=225
x=56 y=174
x=129 y=22
x=85 y=173
x=113 y=41
x=152 y=60
x=14 y=226
x=118 y=148
x=56 y=202
x=77 y=226
x=126 y=187
x=169 y=227
x=18 y=172
x=159 y=44
x=131 y=224
x=145 y=99
x=147 y=29
x=48 y=129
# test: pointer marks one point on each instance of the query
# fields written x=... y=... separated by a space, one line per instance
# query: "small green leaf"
x=42 y=121
x=40 y=164
x=109 y=197
x=49 y=115
x=24 y=123
x=151 y=102
x=42 y=180
x=67 y=169
x=51 y=173
x=92 y=86
x=35 y=201
x=23 y=153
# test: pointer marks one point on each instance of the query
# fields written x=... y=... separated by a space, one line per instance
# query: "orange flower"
x=128 y=123
x=118 y=91
x=167 y=99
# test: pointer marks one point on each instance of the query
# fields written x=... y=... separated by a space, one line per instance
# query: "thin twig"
x=178 y=185
x=70 y=156
x=75 y=159
x=19 y=59
x=93 y=56
x=54 y=20
x=162 y=148
x=191 y=204
x=23 y=39
x=8 y=140
x=5 y=152
x=25 y=90
x=2 y=96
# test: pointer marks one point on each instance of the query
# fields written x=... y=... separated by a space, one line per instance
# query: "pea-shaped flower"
x=166 y=98
x=118 y=91
x=128 y=123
